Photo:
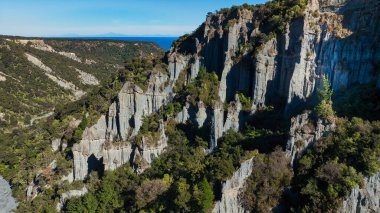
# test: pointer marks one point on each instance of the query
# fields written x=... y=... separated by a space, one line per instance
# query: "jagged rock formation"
x=122 y=122
x=334 y=38
x=214 y=117
x=7 y=202
x=68 y=195
x=365 y=199
x=305 y=132
x=230 y=201
x=288 y=67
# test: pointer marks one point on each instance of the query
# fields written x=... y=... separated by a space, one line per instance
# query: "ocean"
x=164 y=42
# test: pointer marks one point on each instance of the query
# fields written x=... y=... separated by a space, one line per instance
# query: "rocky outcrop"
x=7 y=202
x=229 y=202
x=305 y=131
x=34 y=187
x=340 y=41
x=214 y=118
x=87 y=78
x=50 y=74
x=363 y=200
x=68 y=195
x=107 y=144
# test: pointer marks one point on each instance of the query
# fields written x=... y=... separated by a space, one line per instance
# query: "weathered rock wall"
x=304 y=132
x=364 y=200
x=107 y=142
x=7 y=202
x=229 y=202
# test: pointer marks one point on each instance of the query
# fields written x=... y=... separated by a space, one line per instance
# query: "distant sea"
x=164 y=42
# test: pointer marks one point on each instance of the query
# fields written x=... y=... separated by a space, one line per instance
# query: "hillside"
x=266 y=108
x=37 y=74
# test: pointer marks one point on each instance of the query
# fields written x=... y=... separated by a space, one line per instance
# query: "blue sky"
x=96 y=17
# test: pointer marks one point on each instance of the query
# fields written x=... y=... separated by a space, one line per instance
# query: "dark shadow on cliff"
x=240 y=78
x=96 y=165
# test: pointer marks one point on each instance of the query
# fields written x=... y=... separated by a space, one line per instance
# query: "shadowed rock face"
x=229 y=202
x=7 y=202
x=340 y=41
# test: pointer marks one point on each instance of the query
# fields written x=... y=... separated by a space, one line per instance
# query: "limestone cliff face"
x=337 y=38
x=7 y=202
x=305 y=132
x=106 y=144
x=214 y=117
x=230 y=191
x=334 y=38
x=365 y=199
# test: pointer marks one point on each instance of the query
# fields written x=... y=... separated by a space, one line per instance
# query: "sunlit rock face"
x=340 y=41
x=229 y=202
x=106 y=144
x=304 y=132
x=7 y=202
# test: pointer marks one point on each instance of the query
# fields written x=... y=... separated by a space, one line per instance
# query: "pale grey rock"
x=68 y=195
x=7 y=202
x=304 y=133
x=2 y=77
x=72 y=56
x=217 y=121
x=201 y=115
x=229 y=202
x=265 y=71
x=87 y=78
x=108 y=140
x=116 y=155
x=233 y=116
x=183 y=116
x=365 y=200
x=151 y=149
x=55 y=144
x=41 y=45
x=69 y=177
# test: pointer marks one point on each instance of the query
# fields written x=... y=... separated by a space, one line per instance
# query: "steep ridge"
x=29 y=89
x=249 y=58
x=283 y=69
x=287 y=66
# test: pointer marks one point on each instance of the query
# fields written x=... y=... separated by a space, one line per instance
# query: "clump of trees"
x=264 y=188
x=336 y=164
x=325 y=109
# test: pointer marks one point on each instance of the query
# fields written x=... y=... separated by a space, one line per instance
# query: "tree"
x=90 y=202
x=182 y=195
x=149 y=191
x=324 y=109
x=204 y=195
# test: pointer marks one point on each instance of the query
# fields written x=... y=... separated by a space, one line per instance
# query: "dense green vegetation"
x=139 y=70
x=264 y=188
x=27 y=92
x=324 y=109
x=328 y=172
x=184 y=178
x=203 y=88
x=358 y=101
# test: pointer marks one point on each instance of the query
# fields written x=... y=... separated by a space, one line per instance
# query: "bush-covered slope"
x=26 y=90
